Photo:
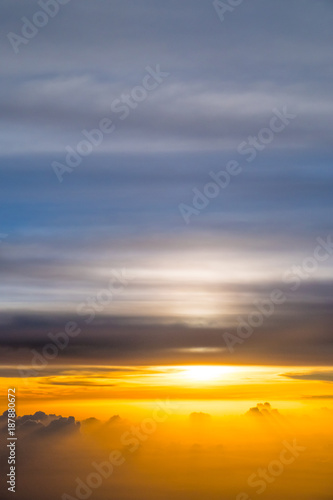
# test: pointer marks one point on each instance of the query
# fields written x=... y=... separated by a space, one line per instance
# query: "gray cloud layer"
x=119 y=209
x=225 y=78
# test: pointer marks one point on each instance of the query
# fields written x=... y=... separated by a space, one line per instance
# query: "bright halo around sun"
x=206 y=373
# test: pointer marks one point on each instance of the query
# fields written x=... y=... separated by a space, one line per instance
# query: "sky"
x=130 y=207
x=166 y=247
x=186 y=457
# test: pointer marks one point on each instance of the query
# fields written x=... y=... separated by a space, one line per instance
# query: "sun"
x=206 y=373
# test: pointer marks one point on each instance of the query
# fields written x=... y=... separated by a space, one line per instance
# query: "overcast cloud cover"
x=119 y=209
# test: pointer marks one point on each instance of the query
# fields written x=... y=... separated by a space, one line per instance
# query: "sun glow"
x=206 y=373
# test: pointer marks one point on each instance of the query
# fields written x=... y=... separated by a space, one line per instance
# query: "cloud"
x=120 y=340
x=62 y=426
x=64 y=452
x=39 y=417
x=91 y=421
x=42 y=425
x=77 y=382
x=190 y=282
x=263 y=410
x=315 y=376
x=209 y=102
x=199 y=418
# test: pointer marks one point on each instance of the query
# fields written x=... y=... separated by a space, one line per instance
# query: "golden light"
x=206 y=373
